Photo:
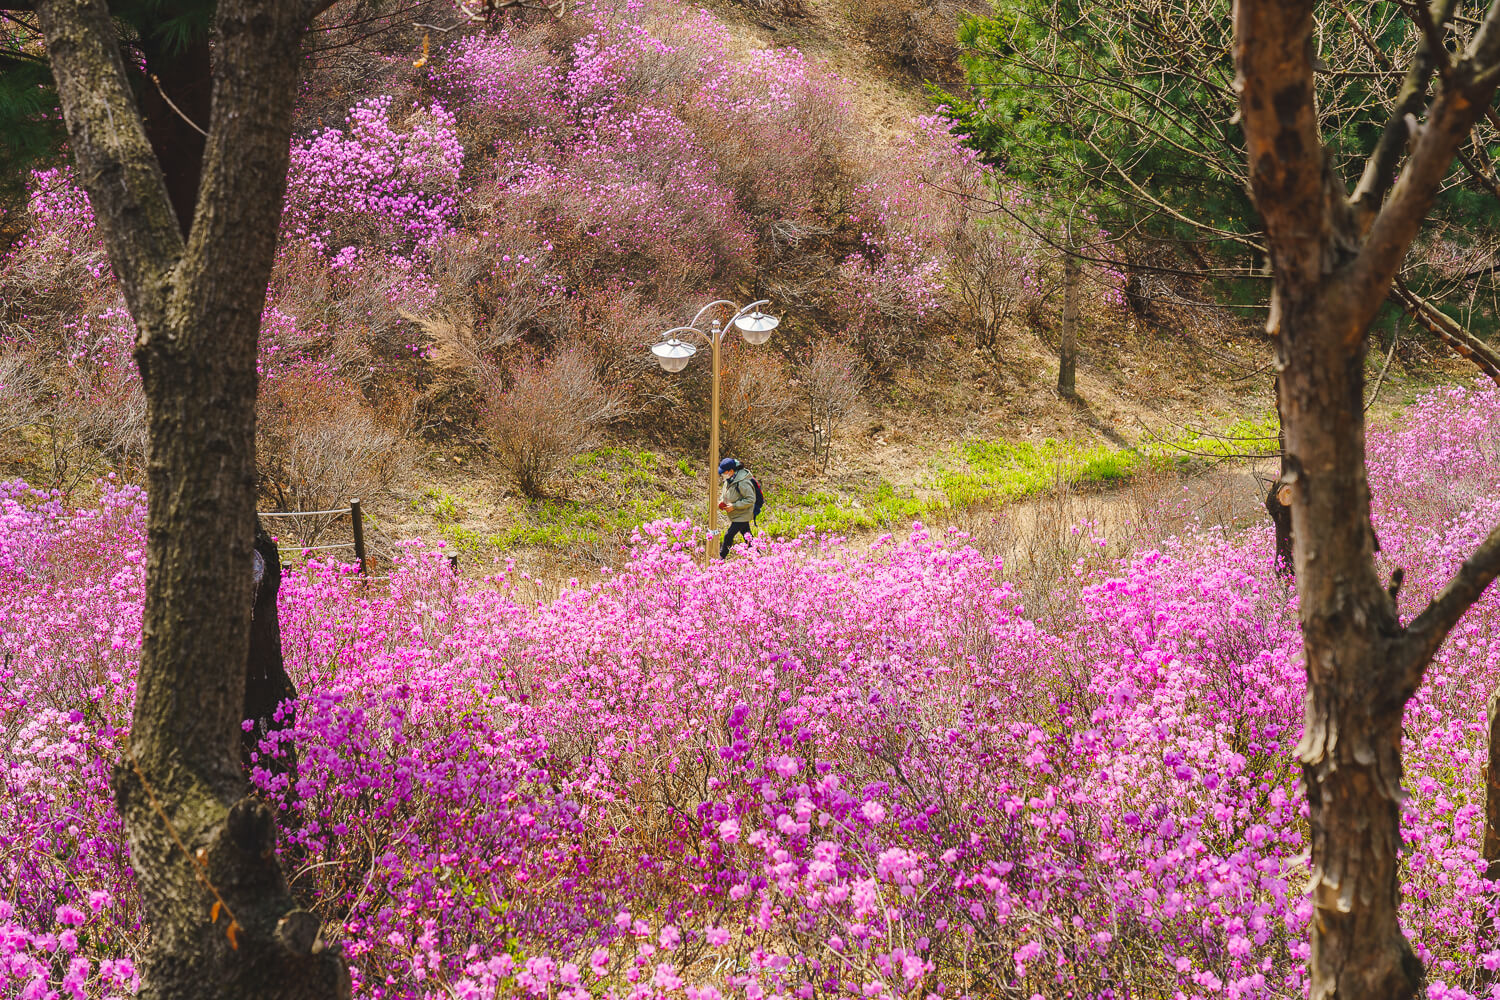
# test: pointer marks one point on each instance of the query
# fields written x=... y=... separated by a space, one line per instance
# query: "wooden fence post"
x=359 y=535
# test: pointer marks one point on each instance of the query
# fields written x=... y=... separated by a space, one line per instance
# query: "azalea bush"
x=817 y=770
x=544 y=184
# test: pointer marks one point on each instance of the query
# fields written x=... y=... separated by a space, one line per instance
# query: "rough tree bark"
x=1334 y=257
x=220 y=915
x=1067 y=352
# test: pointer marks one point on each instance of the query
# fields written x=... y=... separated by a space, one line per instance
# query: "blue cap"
x=728 y=465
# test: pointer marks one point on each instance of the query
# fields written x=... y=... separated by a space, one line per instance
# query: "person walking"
x=736 y=500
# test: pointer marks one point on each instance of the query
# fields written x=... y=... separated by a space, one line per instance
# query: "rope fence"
x=356 y=520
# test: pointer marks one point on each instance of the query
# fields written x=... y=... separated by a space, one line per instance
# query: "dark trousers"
x=735 y=528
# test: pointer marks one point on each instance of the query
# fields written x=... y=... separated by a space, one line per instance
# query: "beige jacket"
x=739 y=493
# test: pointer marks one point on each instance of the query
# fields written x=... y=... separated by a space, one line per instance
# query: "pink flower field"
x=819 y=771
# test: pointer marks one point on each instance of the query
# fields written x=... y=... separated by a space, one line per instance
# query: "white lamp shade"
x=756 y=327
x=673 y=354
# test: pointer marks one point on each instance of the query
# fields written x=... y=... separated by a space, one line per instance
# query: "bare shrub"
x=755 y=398
x=107 y=409
x=616 y=326
x=358 y=303
x=883 y=303
x=93 y=412
x=919 y=36
x=829 y=383
x=791 y=162
x=551 y=412
x=992 y=264
x=59 y=268
x=318 y=444
x=21 y=391
x=498 y=289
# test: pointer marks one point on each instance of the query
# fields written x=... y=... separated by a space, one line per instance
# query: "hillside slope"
x=479 y=245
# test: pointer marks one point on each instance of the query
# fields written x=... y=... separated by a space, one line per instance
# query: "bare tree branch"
x=1484 y=176
x=1428 y=630
x=1380 y=168
x=1446 y=329
x=1434 y=48
x=1448 y=124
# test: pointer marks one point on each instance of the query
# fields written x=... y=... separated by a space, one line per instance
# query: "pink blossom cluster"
x=634 y=147
x=60 y=230
x=54 y=197
x=820 y=770
x=594 y=156
x=377 y=185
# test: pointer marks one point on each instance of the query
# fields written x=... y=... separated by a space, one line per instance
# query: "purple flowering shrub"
x=70 y=594
x=376 y=187
x=526 y=186
x=817 y=771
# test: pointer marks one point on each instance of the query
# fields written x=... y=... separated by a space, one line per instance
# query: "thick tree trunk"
x=1334 y=257
x=270 y=695
x=1067 y=352
x=1279 y=496
x=222 y=921
x=1351 y=744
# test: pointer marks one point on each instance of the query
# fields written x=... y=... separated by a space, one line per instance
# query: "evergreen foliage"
x=31 y=126
x=1129 y=105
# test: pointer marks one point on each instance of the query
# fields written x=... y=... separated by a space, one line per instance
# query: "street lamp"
x=673 y=354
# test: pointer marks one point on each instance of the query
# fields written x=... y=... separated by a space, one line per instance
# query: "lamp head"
x=673 y=355
x=756 y=327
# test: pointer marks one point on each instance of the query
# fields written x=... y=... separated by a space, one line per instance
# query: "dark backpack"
x=760 y=498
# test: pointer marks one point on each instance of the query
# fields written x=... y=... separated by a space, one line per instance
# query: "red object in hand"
x=723 y=505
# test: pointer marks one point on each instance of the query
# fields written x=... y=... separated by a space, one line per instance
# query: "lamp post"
x=673 y=354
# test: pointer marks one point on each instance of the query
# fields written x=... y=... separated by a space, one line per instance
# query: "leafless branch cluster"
x=21 y=391
x=318 y=444
x=1146 y=87
x=989 y=263
x=829 y=384
x=755 y=400
x=550 y=412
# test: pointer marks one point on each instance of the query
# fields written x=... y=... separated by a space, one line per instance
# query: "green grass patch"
x=1240 y=439
x=885 y=506
x=978 y=471
x=1000 y=471
x=444 y=507
x=617 y=489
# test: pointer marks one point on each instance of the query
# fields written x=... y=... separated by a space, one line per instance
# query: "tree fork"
x=1334 y=261
x=199 y=843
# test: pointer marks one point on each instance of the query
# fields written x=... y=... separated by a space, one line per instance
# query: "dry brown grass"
x=917 y=36
x=1050 y=543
